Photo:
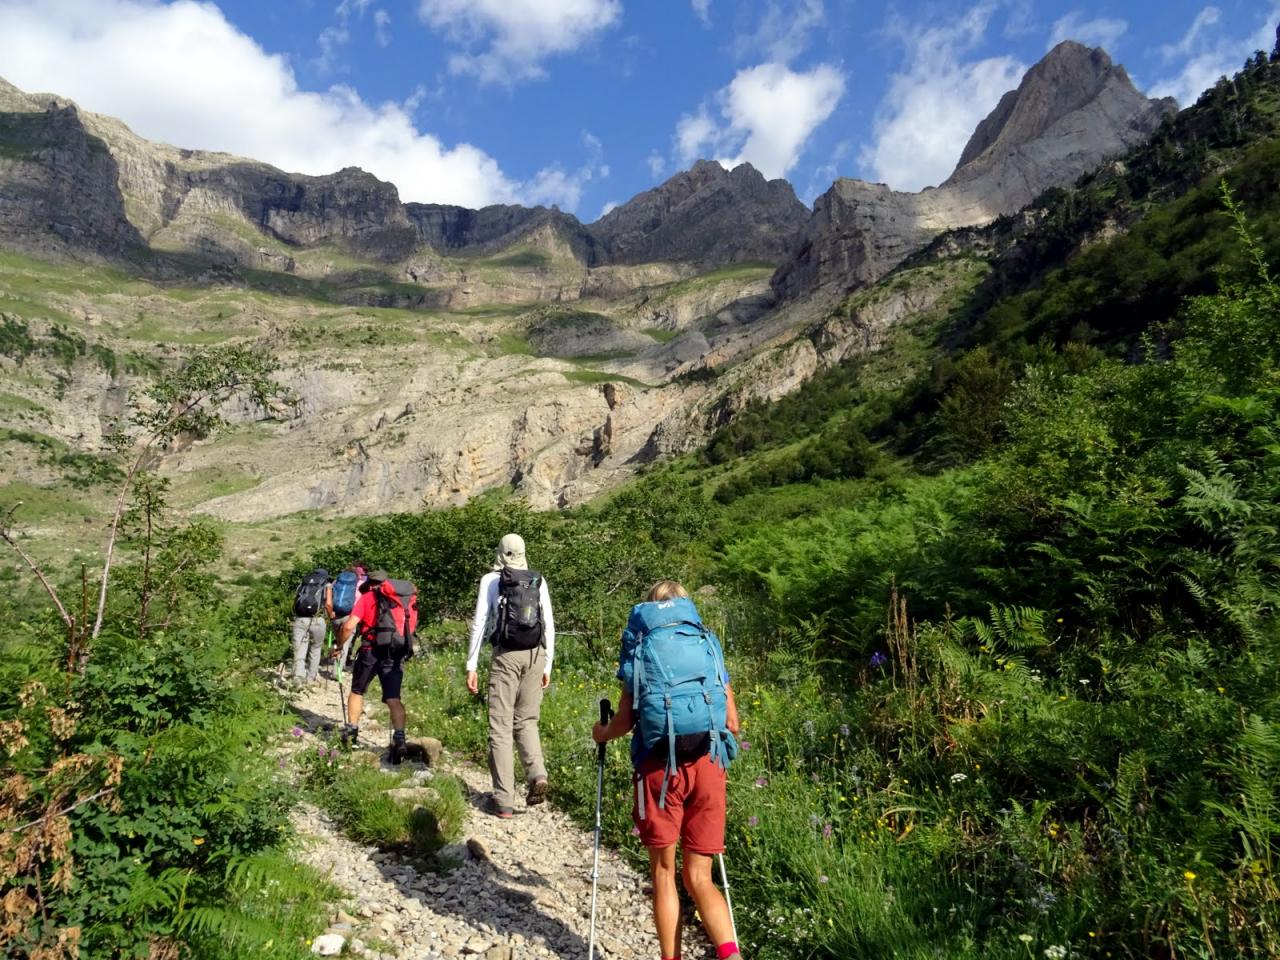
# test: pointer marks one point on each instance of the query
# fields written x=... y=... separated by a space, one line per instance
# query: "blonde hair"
x=666 y=590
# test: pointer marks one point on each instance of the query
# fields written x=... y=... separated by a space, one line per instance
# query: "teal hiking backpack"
x=677 y=685
x=344 y=593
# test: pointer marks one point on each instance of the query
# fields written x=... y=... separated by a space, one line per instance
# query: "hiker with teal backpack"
x=677 y=704
x=339 y=600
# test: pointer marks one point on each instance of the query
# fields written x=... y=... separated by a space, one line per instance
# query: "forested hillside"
x=999 y=601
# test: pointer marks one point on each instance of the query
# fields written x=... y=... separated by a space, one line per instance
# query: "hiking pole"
x=342 y=697
x=606 y=714
x=724 y=882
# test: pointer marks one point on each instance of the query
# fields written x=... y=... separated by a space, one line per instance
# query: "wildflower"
x=878 y=659
x=959 y=777
x=197 y=840
x=1044 y=899
x=814 y=820
x=1055 y=952
x=296 y=731
x=1059 y=620
x=745 y=745
x=762 y=781
x=1188 y=876
x=824 y=879
x=1025 y=937
x=844 y=729
x=808 y=728
x=635 y=831
x=827 y=831
x=752 y=821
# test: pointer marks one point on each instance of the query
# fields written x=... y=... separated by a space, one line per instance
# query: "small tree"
x=188 y=402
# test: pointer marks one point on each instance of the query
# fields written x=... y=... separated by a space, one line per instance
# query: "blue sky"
x=585 y=103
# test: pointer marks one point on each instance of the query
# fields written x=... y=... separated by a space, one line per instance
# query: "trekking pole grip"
x=606 y=714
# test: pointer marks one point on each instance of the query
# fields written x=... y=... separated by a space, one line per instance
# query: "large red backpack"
x=397 y=618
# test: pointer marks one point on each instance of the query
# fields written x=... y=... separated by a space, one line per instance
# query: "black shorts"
x=388 y=670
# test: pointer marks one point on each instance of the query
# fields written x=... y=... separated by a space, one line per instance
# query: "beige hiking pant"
x=515 y=699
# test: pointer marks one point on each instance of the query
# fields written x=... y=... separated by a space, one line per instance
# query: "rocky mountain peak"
x=1075 y=89
x=706 y=215
x=1071 y=111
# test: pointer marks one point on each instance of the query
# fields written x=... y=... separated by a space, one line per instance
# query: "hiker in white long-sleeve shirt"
x=513 y=606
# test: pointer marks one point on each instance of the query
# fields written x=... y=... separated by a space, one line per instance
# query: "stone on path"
x=329 y=945
x=479 y=849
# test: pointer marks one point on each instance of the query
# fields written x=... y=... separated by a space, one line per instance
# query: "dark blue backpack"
x=677 y=683
x=344 y=593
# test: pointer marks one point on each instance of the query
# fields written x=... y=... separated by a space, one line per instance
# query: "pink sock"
x=727 y=949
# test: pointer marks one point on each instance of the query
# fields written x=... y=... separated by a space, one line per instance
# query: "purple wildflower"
x=745 y=745
x=878 y=659
x=753 y=821
x=635 y=831
x=762 y=781
x=296 y=731
x=827 y=830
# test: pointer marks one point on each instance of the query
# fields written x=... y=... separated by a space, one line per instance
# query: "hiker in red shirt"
x=386 y=615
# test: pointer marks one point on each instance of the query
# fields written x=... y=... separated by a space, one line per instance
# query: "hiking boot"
x=395 y=755
x=537 y=793
x=349 y=735
x=492 y=807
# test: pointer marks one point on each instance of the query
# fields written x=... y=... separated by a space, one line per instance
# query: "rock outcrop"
x=707 y=215
x=58 y=181
x=1072 y=110
x=492 y=229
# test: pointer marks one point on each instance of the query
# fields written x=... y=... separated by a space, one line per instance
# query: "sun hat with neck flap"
x=510 y=553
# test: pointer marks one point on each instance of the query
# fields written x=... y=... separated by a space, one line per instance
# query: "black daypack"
x=308 y=600
x=519 y=610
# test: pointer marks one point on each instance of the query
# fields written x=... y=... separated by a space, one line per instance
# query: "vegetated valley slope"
x=440 y=352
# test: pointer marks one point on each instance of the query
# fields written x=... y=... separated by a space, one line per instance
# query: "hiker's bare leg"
x=707 y=897
x=355 y=706
x=397 y=714
x=666 y=900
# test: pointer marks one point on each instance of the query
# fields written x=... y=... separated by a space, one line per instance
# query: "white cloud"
x=783 y=31
x=563 y=188
x=331 y=41
x=766 y=116
x=608 y=207
x=1204 y=53
x=181 y=73
x=515 y=36
x=1102 y=32
x=932 y=108
x=657 y=164
x=382 y=27
x=701 y=10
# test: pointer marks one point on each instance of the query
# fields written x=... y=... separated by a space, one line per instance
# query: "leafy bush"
x=360 y=798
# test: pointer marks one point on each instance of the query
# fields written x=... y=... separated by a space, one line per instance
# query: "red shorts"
x=694 y=810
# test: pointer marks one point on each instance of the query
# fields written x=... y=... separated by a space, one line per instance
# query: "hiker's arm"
x=549 y=630
x=328 y=600
x=621 y=723
x=348 y=628
x=731 y=710
x=478 y=622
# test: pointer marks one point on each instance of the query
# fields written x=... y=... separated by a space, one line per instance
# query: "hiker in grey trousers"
x=517 y=676
x=308 y=643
